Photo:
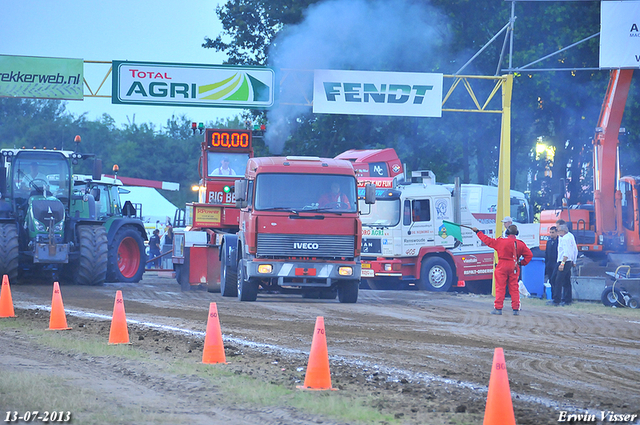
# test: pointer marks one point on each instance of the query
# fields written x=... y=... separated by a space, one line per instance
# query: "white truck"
x=404 y=242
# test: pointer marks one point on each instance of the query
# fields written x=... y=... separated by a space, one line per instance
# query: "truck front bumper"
x=309 y=274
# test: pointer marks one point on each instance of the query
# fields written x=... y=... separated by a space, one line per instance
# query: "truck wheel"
x=612 y=298
x=329 y=294
x=127 y=256
x=91 y=267
x=182 y=276
x=9 y=251
x=348 y=291
x=247 y=289
x=435 y=275
x=228 y=276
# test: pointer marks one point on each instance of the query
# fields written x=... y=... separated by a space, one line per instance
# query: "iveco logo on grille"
x=305 y=245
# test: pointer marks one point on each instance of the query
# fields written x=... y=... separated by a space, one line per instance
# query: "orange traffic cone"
x=213 y=347
x=499 y=410
x=318 y=376
x=6 y=302
x=57 y=319
x=119 y=334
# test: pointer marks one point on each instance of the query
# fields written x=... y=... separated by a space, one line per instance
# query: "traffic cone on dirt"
x=499 y=410
x=57 y=319
x=6 y=302
x=318 y=376
x=119 y=334
x=213 y=347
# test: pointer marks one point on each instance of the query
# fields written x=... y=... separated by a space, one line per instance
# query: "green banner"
x=41 y=78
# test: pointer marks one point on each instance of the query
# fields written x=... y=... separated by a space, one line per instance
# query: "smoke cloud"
x=378 y=35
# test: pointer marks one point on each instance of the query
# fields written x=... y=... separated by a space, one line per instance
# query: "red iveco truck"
x=299 y=228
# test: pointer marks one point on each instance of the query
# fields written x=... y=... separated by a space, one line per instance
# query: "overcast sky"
x=137 y=30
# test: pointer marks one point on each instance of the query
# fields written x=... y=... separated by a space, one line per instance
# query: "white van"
x=484 y=199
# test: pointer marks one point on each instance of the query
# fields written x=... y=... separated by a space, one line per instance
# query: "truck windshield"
x=38 y=171
x=226 y=164
x=383 y=213
x=305 y=192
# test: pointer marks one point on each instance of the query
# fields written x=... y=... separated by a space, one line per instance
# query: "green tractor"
x=126 y=234
x=47 y=230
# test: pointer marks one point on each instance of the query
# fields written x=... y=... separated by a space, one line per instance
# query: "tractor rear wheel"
x=91 y=267
x=9 y=251
x=127 y=256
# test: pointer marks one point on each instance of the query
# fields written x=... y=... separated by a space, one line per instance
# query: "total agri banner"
x=192 y=85
x=620 y=34
x=41 y=78
x=408 y=94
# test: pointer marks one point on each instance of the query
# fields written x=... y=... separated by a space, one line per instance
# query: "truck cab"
x=299 y=228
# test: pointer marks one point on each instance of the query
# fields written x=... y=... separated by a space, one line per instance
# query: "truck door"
x=418 y=225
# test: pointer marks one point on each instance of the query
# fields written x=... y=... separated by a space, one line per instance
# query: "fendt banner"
x=192 y=85
x=41 y=78
x=620 y=34
x=408 y=94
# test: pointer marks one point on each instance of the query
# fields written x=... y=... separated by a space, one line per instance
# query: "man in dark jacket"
x=551 y=255
x=509 y=250
x=154 y=248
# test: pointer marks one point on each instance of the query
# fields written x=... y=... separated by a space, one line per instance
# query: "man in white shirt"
x=34 y=176
x=507 y=221
x=223 y=169
x=567 y=257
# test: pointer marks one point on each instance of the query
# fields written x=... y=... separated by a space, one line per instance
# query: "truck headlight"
x=39 y=226
x=345 y=271
x=265 y=268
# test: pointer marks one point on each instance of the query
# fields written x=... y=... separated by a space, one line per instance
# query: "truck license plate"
x=367 y=273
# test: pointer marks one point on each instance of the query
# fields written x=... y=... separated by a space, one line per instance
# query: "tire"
x=182 y=276
x=127 y=256
x=348 y=291
x=329 y=294
x=9 y=251
x=228 y=276
x=247 y=289
x=91 y=267
x=435 y=275
x=633 y=303
x=612 y=298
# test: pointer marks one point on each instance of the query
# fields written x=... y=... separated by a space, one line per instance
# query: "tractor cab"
x=40 y=189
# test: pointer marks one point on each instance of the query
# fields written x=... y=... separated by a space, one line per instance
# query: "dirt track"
x=428 y=355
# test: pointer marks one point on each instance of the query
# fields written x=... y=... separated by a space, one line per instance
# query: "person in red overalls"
x=334 y=199
x=509 y=251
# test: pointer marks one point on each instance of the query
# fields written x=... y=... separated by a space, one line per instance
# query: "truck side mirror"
x=97 y=169
x=369 y=194
x=240 y=190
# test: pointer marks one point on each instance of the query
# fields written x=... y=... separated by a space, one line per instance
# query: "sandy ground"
x=423 y=357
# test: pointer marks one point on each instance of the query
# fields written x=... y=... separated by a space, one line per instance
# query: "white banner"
x=620 y=34
x=408 y=94
x=192 y=85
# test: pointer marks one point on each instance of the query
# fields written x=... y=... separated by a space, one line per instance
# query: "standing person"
x=567 y=256
x=551 y=256
x=168 y=236
x=154 y=248
x=509 y=251
x=506 y=222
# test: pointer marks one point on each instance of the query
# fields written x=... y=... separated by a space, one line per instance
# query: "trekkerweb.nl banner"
x=41 y=78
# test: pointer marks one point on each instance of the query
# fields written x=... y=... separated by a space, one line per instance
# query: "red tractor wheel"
x=127 y=256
